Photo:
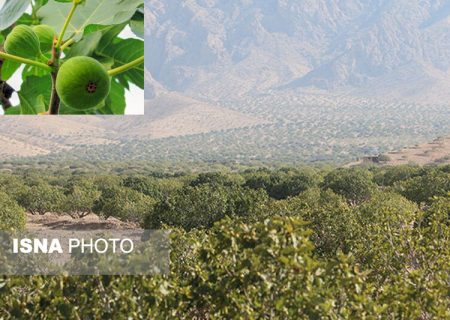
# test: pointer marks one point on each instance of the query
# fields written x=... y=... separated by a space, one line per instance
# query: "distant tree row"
x=199 y=200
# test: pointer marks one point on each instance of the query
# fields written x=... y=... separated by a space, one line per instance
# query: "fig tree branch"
x=54 y=99
x=34 y=13
x=75 y=4
x=66 y=44
x=7 y=56
x=126 y=67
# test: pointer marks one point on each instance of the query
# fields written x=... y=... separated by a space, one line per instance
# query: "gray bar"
x=93 y=252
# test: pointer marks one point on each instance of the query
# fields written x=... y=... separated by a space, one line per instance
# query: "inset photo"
x=71 y=57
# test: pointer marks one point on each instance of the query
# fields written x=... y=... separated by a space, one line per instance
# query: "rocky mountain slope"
x=222 y=49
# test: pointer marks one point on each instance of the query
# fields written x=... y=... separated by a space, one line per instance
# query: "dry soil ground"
x=430 y=153
x=435 y=152
x=54 y=221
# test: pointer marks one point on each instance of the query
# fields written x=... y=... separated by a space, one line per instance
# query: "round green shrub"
x=12 y=216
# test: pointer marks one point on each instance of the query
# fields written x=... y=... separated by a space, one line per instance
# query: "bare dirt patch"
x=435 y=152
x=430 y=153
x=54 y=221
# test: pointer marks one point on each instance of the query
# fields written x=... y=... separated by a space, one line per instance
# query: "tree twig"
x=55 y=101
x=67 y=22
x=7 y=56
x=126 y=67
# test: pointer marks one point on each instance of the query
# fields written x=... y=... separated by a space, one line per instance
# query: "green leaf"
x=137 y=24
x=13 y=111
x=86 y=46
x=8 y=69
x=123 y=52
x=35 y=86
x=25 y=19
x=100 y=12
x=108 y=62
x=94 y=28
x=115 y=103
x=35 y=94
x=109 y=36
x=33 y=71
x=27 y=105
x=11 y=11
x=40 y=3
x=123 y=82
x=65 y=110
x=40 y=105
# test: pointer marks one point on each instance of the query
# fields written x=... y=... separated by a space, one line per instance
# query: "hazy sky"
x=135 y=97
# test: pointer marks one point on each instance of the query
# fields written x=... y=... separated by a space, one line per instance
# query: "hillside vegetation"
x=286 y=243
x=293 y=129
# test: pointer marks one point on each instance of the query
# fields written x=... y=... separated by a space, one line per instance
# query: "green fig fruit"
x=46 y=35
x=82 y=83
x=23 y=42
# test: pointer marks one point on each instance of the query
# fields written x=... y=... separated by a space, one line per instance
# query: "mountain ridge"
x=217 y=50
